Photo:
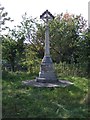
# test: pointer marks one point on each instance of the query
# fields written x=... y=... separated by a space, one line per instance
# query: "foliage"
x=9 y=49
x=87 y=50
x=28 y=102
x=25 y=53
x=3 y=18
x=68 y=39
x=32 y=61
x=65 y=34
x=64 y=69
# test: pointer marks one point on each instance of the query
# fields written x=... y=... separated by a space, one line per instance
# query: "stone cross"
x=47 y=73
x=46 y=16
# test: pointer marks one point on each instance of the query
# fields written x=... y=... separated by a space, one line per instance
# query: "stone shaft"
x=47 y=44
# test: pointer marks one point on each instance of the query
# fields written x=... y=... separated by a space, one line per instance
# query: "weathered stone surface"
x=47 y=59
x=34 y=83
x=47 y=73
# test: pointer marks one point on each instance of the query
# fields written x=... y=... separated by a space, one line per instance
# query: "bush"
x=63 y=69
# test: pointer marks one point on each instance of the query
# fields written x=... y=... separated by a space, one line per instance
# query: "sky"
x=34 y=8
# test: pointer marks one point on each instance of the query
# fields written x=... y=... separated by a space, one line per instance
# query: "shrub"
x=63 y=69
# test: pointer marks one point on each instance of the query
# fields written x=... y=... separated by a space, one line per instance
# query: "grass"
x=20 y=101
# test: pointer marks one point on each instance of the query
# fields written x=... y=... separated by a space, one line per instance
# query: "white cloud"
x=16 y=8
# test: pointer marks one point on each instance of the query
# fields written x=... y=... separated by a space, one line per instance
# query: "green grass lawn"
x=20 y=101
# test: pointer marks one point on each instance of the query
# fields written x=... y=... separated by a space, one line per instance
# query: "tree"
x=87 y=37
x=9 y=50
x=3 y=18
x=67 y=38
x=25 y=32
x=65 y=34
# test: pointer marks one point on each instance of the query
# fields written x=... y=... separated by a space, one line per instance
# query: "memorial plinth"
x=47 y=73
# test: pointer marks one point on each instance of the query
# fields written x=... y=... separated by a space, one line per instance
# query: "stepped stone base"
x=44 y=80
x=47 y=76
x=34 y=83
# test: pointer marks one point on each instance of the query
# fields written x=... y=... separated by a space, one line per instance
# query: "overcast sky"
x=34 y=8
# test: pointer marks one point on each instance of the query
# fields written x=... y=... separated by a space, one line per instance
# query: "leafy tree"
x=25 y=32
x=66 y=39
x=29 y=28
x=3 y=18
x=65 y=34
x=9 y=49
x=86 y=51
x=86 y=59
